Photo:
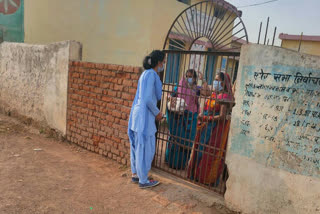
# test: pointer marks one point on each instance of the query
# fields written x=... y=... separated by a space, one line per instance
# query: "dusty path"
x=63 y=178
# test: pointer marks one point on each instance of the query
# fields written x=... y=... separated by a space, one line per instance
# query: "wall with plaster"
x=120 y=32
x=274 y=147
x=34 y=78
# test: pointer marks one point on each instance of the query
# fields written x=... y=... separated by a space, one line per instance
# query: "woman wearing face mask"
x=182 y=125
x=206 y=167
x=144 y=112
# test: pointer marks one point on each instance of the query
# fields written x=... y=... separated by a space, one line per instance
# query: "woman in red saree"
x=207 y=157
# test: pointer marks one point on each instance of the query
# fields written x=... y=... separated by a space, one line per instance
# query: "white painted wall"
x=34 y=80
x=273 y=162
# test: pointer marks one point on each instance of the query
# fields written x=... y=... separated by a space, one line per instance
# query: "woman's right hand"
x=159 y=117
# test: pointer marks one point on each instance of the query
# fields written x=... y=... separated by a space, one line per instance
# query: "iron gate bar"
x=176 y=144
x=164 y=134
x=194 y=31
x=213 y=53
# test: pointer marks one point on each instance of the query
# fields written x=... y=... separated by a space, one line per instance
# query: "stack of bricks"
x=99 y=101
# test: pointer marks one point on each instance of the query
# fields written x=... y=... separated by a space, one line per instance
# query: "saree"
x=207 y=157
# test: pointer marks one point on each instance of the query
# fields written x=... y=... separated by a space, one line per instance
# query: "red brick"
x=111 y=86
x=92 y=95
x=92 y=119
x=110 y=155
x=116 y=132
x=80 y=81
x=127 y=82
x=132 y=91
x=123 y=136
x=120 y=81
x=106 y=73
x=92 y=71
x=87 y=76
x=84 y=111
x=126 y=96
x=106 y=99
x=119 y=159
x=136 y=70
x=116 y=114
x=117 y=101
x=91 y=101
x=98 y=102
x=113 y=67
x=120 y=68
x=115 y=151
x=112 y=93
x=105 y=85
x=123 y=122
x=82 y=70
x=75 y=86
x=124 y=161
x=111 y=106
x=107 y=79
x=75 y=75
x=128 y=68
x=118 y=87
x=101 y=133
x=134 y=76
x=96 y=114
x=99 y=78
x=110 y=118
x=135 y=84
x=119 y=94
x=108 y=142
x=98 y=90
x=125 y=110
x=93 y=83
x=125 y=89
x=84 y=134
x=93 y=107
x=124 y=116
x=100 y=66
x=114 y=80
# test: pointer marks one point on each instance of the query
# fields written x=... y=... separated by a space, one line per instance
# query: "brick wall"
x=99 y=101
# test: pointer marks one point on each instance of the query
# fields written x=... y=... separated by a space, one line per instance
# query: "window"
x=210 y=69
x=185 y=1
x=173 y=65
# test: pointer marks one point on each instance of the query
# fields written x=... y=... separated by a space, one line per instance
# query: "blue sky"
x=290 y=16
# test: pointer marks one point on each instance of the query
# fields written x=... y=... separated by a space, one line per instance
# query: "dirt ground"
x=42 y=175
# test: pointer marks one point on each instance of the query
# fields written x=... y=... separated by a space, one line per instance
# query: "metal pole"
x=300 y=41
x=274 y=35
x=259 y=32
x=265 y=37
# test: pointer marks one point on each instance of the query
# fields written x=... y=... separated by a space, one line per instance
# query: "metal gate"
x=204 y=39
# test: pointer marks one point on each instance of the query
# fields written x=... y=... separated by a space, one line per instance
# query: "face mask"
x=160 y=69
x=217 y=85
x=190 y=80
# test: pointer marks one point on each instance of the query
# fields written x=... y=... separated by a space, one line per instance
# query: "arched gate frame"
x=206 y=37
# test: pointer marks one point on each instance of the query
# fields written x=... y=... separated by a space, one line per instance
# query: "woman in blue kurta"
x=144 y=112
